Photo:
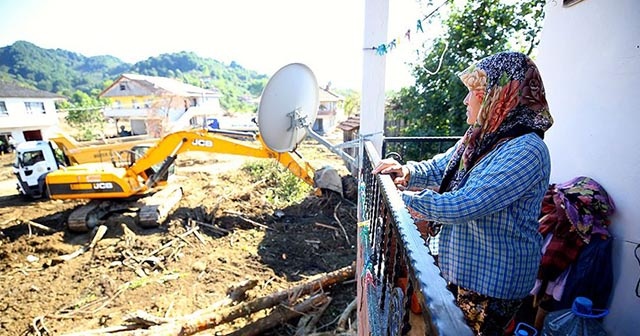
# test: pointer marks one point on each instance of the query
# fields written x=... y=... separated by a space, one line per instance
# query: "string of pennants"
x=384 y=48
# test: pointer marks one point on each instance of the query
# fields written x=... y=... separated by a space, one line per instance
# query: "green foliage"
x=56 y=70
x=479 y=28
x=284 y=187
x=351 y=101
x=64 y=72
x=84 y=114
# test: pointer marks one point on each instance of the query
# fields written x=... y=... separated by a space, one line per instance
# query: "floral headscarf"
x=574 y=212
x=514 y=104
x=585 y=204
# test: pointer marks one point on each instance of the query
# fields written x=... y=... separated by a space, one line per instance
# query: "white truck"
x=34 y=160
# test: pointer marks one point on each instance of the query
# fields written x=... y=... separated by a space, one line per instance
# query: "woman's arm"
x=497 y=181
x=428 y=173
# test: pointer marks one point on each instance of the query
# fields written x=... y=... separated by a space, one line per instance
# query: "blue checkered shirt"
x=489 y=241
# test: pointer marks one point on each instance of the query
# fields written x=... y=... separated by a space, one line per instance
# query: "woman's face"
x=473 y=101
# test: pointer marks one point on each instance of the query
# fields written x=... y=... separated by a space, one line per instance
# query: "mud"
x=167 y=271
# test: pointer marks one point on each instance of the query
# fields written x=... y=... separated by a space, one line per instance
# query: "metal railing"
x=397 y=274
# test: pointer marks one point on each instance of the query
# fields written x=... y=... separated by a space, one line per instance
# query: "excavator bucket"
x=327 y=178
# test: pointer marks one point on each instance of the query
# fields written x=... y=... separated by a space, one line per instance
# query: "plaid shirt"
x=489 y=241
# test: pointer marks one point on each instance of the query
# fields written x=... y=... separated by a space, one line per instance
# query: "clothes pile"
x=577 y=248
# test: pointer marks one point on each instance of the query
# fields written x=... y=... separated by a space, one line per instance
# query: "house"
x=26 y=114
x=156 y=105
x=350 y=129
x=329 y=110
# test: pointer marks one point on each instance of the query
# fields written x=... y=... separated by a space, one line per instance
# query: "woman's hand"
x=399 y=173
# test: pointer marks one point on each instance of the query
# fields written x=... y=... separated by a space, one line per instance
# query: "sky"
x=259 y=35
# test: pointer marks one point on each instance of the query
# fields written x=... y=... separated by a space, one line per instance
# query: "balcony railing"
x=397 y=273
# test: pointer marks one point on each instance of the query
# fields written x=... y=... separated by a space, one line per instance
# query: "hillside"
x=66 y=72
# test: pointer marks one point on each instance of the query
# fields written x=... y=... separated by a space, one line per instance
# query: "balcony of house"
x=27 y=121
x=402 y=292
x=127 y=111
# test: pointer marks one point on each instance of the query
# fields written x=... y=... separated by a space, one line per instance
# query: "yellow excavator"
x=36 y=158
x=140 y=177
x=140 y=181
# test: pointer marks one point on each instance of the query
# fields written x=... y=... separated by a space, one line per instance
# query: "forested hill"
x=82 y=78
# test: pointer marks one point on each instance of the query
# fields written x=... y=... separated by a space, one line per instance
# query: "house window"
x=123 y=87
x=3 y=109
x=34 y=107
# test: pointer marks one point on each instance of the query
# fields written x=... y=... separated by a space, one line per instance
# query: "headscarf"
x=514 y=104
x=580 y=203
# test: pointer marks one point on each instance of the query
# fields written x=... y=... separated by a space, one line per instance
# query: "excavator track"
x=156 y=208
x=153 y=209
x=86 y=217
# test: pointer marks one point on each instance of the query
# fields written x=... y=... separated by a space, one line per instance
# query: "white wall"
x=18 y=120
x=18 y=117
x=589 y=58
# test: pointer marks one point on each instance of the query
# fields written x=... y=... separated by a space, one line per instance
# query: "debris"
x=239 y=215
x=100 y=231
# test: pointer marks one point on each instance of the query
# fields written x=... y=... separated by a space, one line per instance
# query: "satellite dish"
x=288 y=106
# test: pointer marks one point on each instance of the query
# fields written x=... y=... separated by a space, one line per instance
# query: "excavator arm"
x=136 y=183
x=170 y=146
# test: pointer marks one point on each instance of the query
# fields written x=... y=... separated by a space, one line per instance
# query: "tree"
x=351 y=101
x=475 y=30
x=84 y=113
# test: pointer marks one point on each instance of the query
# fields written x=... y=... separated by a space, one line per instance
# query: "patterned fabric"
x=572 y=211
x=489 y=241
x=587 y=206
x=514 y=104
x=486 y=315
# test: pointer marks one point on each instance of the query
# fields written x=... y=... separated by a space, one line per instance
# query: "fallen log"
x=282 y=314
x=209 y=321
x=203 y=320
x=235 y=293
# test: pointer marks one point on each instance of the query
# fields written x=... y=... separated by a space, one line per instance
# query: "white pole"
x=371 y=120
x=373 y=71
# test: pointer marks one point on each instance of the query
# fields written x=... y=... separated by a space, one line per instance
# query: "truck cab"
x=34 y=160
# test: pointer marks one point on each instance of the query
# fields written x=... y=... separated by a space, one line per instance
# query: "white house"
x=154 y=105
x=26 y=114
x=330 y=110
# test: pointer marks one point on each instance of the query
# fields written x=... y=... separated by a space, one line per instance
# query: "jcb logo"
x=202 y=143
x=103 y=185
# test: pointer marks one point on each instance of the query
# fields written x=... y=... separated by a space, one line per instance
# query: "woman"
x=491 y=185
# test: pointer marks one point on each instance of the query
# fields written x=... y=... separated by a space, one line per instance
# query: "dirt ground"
x=165 y=271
